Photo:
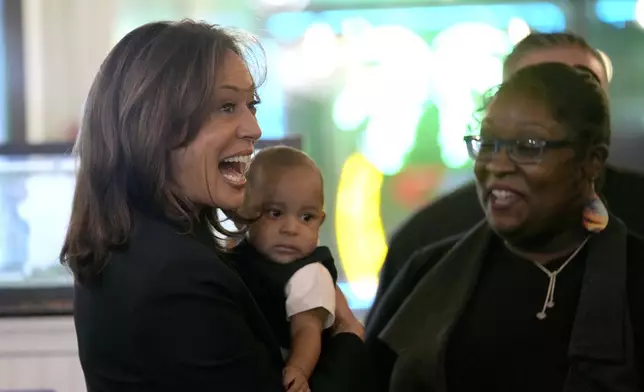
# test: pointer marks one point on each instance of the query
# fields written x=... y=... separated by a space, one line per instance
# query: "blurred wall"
x=39 y=354
x=65 y=42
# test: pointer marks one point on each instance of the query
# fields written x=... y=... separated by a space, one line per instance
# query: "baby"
x=293 y=279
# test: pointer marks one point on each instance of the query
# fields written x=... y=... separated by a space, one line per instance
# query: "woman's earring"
x=595 y=213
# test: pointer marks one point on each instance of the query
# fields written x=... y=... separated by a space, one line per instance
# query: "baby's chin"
x=280 y=259
x=283 y=254
x=286 y=256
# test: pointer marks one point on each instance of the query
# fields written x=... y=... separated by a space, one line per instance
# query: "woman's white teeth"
x=234 y=177
x=503 y=194
x=241 y=159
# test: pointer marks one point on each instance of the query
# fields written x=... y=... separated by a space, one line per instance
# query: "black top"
x=267 y=279
x=168 y=314
x=485 y=354
x=498 y=343
x=460 y=210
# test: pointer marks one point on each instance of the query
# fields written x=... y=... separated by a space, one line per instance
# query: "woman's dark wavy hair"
x=152 y=94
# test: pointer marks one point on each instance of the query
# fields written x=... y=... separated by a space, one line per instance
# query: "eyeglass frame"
x=510 y=146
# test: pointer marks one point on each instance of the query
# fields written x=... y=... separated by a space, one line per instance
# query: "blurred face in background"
x=569 y=54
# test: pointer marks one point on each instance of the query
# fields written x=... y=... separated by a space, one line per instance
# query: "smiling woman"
x=225 y=139
x=168 y=130
x=534 y=194
x=202 y=109
x=539 y=295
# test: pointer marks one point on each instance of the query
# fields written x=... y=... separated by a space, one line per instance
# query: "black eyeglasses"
x=520 y=151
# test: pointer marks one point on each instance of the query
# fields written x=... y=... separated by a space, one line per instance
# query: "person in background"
x=458 y=211
x=547 y=292
x=292 y=279
x=168 y=131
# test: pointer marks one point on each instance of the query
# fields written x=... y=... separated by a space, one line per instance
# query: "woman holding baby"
x=168 y=130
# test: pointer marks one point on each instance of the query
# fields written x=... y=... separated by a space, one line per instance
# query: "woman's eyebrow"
x=238 y=88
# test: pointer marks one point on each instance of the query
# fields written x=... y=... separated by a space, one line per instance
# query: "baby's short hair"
x=275 y=159
x=279 y=157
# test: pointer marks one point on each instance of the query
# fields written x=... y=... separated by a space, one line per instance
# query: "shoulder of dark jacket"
x=391 y=297
x=160 y=255
x=426 y=257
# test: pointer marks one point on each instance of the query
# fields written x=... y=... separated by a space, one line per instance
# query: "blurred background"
x=378 y=92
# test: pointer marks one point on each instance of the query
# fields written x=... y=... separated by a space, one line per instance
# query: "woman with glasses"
x=459 y=210
x=547 y=292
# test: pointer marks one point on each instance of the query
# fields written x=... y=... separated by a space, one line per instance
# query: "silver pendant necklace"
x=549 y=303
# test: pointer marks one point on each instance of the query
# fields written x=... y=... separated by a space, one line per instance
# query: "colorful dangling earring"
x=595 y=213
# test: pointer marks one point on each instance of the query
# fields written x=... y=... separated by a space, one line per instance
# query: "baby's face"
x=292 y=213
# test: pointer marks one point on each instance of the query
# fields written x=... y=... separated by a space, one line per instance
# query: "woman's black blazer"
x=169 y=314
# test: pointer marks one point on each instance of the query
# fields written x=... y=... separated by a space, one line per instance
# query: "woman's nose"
x=500 y=163
x=249 y=128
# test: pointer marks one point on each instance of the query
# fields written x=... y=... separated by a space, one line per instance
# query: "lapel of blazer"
x=203 y=236
x=418 y=331
x=256 y=320
x=601 y=344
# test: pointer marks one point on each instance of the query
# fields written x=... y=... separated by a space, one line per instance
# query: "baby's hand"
x=295 y=380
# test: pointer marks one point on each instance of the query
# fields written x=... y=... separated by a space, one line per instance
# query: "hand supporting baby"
x=295 y=380
x=345 y=320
